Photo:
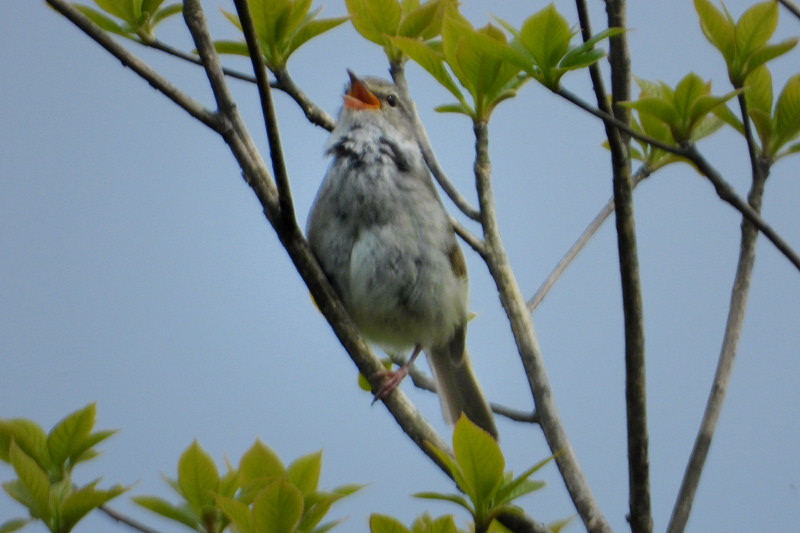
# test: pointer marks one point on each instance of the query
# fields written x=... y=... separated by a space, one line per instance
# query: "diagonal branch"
x=584 y=238
x=792 y=7
x=145 y=71
x=285 y=203
x=730 y=341
x=399 y=77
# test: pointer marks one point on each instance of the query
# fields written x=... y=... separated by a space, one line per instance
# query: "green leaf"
x=162 y=14
x=546 y=35
x=452 y=498
x=278 y=508
x=455 y=108
x=656 y=107
x=118 y=8
x=232 y=47
x=198 y=478
x=729 y=117
x=375 y=19
x=65 y=441
x=717 y=27
x=758 y=90
x=82 y=501
x=260 y=463
x=768 y=53
x=756 y=26
x=424 y=21
x=29 y=436
x=304 y=472
x=787 y=113
x=13 y=525
x=558 y=525
x=521 y=485
x=85 y=451
x=379 y=523
x=479 y=457
x=430 y=60
x=427 y=524
x=312 y=29
x=33 y=483
x=164 y=508
x=239 y=514
x=102 y=21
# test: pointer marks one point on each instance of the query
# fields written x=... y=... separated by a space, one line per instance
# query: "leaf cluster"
x=676 y=115
x=43 y=463
x=544 y=46
x=260 y=495
x=743 y=43
x=381 y=21
x=478 y=468
x=133 y=19
x=282 y=26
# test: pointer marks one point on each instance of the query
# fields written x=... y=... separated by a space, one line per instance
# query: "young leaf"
x=162 y=507
x=452 y=498
x=787 y=112
x=479 y=458
x=379 y=523
x=278 y=508
x=238 y=513
x=82 y=501
x=13 y=525
x=427 y=524
x=756 y=26
x=431 y=61
x=717 y=27
x=260 y=463
x=304 y=472
x=198 y=478
x=103 y=21
x=33 y=483
x=65 y=440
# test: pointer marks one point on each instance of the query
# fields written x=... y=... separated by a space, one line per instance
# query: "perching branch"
x=528 y=345
x=120 y=518
x=792 y=7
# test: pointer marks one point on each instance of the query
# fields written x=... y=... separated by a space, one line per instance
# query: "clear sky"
x=137 y=271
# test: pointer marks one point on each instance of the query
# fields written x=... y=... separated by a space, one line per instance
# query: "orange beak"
x=359 y=97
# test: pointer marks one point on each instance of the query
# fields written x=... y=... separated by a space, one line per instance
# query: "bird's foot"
x=392 y=378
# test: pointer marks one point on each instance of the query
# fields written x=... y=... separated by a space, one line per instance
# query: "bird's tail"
x=458 y=388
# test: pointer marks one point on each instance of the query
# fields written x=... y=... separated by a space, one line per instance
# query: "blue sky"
x=138 y=271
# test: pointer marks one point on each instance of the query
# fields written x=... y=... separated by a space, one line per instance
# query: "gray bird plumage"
x=384 y=239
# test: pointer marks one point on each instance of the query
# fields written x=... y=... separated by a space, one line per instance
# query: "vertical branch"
x=528 y=345
x=285 y=203
x=730 y=341
x=640 y=516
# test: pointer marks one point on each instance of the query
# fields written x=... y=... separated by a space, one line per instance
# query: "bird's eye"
x=391 y=100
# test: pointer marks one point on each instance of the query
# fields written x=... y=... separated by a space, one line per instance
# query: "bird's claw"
x=392 y=378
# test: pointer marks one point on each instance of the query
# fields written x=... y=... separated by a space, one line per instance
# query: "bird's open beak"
x=359 y=97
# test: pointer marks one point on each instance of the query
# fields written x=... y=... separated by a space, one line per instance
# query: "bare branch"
x=730 y=341
x=285 y=203
x=640 y=515
x=122 y=519
x=792 y=7
x=145 y=71
x=399 y=76
x=191 y=58
x=584 y=238
x=528 y=345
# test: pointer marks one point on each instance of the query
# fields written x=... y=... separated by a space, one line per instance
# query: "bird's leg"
x=394 y=377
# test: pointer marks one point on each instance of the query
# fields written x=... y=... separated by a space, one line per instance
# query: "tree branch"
x=642 y=173
x=399 y=76
x=640 y=516
x=285 y=202
x=122 y=519
x=528 y=345
x=792 y=7
x=145 y=71
x=730 y=341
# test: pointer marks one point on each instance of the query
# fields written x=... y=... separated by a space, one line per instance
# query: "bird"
x=382 y=236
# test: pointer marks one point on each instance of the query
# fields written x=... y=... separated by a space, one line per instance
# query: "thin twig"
x=792 y=7
x=530 y=353
x=399 y=76
x=286 y=205
x=191 y=58
x=730 y=342
x=145 y=71
x=122 y=519
x=584 y=238
x=688 y=151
